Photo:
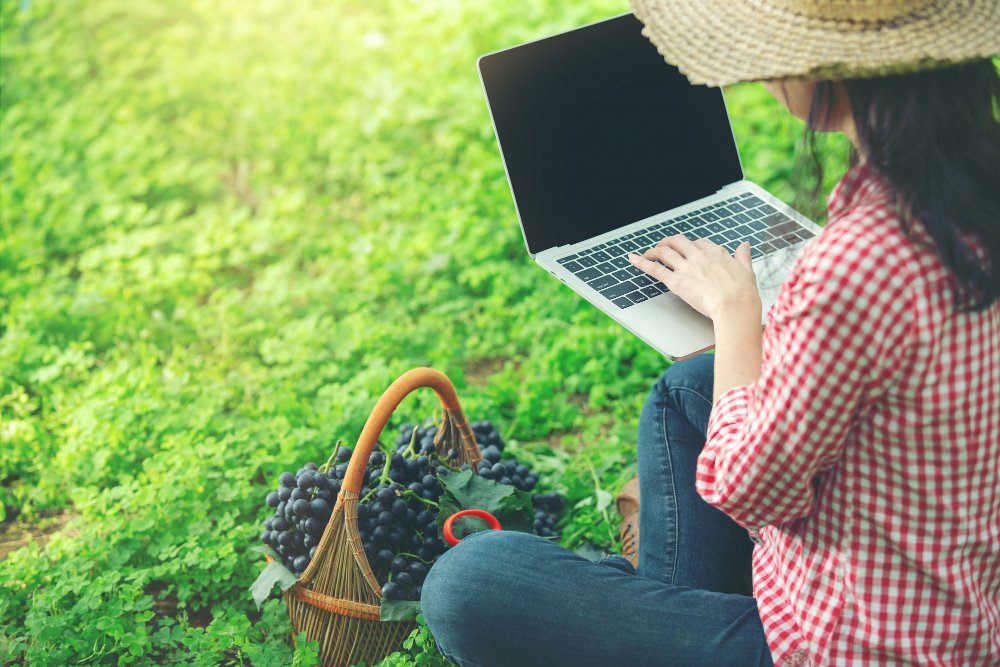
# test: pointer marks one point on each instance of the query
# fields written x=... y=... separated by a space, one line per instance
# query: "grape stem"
x=411 y=451
x=409 y=555
x=414 y=494
x=384 y=477
x=326 y=466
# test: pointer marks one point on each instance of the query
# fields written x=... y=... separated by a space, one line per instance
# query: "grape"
x=399 y=508
x=287 y=479
x=320 y=508
x=273 y=499
x=418 y=571
x=305 y=482
x=301 y=507
x=300 y=563
x=391 y=591
x=344 y=454
x=284 y=493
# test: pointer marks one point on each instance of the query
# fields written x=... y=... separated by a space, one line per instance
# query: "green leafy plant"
x=213 y=258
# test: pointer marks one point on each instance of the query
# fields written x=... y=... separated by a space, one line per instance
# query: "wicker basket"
x=336 y=600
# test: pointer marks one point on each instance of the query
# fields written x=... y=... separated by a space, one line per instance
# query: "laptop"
x=608 y=149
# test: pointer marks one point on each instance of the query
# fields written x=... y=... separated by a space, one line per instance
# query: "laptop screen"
x=597 y=131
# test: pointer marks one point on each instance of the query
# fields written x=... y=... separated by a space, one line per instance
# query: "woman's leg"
x=684 y=540
x=505 y=598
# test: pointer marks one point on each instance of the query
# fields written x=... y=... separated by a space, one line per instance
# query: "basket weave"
x=336 y=600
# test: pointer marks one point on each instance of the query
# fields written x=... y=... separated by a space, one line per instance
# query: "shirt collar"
x=861 y=183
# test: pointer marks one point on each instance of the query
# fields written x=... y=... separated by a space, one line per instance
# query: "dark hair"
x=935 y=137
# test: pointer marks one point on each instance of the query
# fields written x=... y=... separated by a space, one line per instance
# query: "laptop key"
x=752 y=201
x=742 y=217
x=622 y=302
x=615 y=291
x=780 y=243
x=755 y=213
x=744 y=230
x=564 y=260
x=779 y=225
x=732 y=235
x=571 y=266
x=717 y=239
x=619 y=261
x=758 y=225
x=603 y=282
x=650 y=291
x=755 y=252
x=715 y=227
x=588 y=274
x=601 y=256
x=643 y=280
x=710 y=216
x=735 y=205
x=606 y=267
x=586 y=261
x=622 y=275
x=638 y=297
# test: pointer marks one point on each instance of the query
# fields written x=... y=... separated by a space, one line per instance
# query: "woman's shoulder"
x=867 y=241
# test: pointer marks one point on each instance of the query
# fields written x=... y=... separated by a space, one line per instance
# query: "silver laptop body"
x=578 y=120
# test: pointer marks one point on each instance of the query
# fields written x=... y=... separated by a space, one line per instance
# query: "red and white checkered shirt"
x=866 y=457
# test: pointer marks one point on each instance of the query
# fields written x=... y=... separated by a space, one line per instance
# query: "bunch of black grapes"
x=548 y=506
x=397 y=511
x=302 y=506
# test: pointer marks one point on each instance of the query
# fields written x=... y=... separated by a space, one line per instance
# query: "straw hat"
x=718 y=42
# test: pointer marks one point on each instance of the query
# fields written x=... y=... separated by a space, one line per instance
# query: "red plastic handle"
x=491 y=520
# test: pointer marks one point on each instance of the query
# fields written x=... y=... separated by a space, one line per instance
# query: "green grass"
x=226 y=228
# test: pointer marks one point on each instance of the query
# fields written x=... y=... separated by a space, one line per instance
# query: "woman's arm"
x=738 y=341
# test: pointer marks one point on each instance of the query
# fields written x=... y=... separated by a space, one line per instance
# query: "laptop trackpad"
x=669 y=325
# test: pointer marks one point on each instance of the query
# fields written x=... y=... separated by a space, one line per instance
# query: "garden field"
x=225 y=228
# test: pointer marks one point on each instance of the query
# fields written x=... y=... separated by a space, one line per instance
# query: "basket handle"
x=406 y=383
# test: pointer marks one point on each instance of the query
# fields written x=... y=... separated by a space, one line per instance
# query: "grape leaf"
x=264 y=549
x=474 y=492
x=398 y=610
x=464 y=491
x=274 y=573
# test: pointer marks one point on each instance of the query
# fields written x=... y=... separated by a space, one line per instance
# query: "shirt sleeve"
x=840 y=313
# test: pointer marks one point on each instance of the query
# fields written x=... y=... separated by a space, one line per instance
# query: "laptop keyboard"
x=728 y=223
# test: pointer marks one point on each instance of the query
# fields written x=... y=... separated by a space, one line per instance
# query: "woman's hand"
x=702 y=273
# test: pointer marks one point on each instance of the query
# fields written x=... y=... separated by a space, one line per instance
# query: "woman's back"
x=898 y=557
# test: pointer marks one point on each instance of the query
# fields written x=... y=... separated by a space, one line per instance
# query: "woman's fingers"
x=654 y=269
x=680 y=243
x=664 y=254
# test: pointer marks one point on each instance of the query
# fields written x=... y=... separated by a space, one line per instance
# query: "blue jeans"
x=507 y=598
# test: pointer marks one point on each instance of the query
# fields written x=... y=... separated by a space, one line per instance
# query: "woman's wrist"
x=738 y=347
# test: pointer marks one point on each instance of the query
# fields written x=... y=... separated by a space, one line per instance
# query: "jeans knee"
x=445 y=599
x=695 y=373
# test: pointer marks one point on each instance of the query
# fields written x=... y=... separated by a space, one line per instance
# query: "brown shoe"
x=627 y=503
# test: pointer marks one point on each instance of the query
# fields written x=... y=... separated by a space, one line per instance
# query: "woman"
x=854 y=444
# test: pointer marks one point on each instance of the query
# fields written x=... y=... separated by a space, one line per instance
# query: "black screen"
x=598 y=131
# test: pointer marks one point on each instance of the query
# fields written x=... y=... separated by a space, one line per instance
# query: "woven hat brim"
x=719 y=42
